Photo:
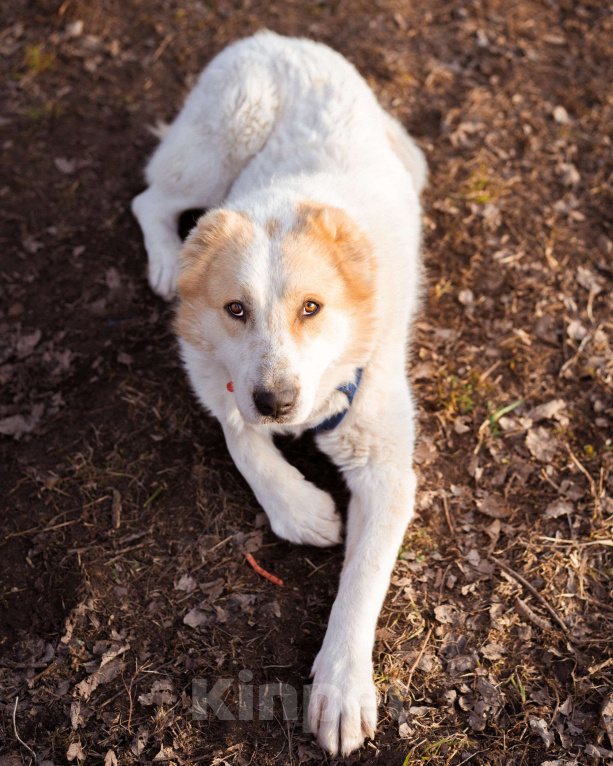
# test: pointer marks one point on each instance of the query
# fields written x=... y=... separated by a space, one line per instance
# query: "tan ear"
x=214 y=233
x=349 y=247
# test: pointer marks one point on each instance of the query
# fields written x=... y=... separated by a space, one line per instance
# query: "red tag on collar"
x=230 y=387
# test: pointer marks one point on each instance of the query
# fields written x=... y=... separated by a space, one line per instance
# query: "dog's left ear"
x=216 y=231
x=347 y=243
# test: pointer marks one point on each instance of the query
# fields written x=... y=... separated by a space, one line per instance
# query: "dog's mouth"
x=288 y=419
x=295 y=417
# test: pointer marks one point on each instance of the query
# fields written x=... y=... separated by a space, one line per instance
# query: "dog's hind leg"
x=226 y=120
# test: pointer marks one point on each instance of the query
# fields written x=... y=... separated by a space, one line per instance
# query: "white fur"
x=274 y=121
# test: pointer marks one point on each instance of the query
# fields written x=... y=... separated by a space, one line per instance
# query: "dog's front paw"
x=343 y=704
x=306 y=516
x=163 y=275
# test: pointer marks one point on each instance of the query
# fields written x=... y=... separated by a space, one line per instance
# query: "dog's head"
x=278 y=305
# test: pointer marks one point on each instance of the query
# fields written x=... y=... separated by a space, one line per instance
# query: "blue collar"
x=349 y=390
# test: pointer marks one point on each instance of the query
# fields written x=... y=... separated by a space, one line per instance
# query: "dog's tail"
x=407 y=151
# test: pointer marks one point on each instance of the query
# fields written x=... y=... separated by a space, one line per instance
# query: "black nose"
x=274 y=402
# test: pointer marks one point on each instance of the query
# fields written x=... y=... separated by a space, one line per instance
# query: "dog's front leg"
x=343 y=705
x=298 y=511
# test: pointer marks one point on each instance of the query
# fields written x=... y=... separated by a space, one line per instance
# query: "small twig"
x=601 y=666
x=161 y=48
x=532 y=590
x=419 y=656
x=564 y=541
x=129 y=690
x=48 y=669
x=116 y=510
x=127 y=550
x=263 y=572
x=219 y=544
x=591 y=481
x=524 y=611
x=569 y=362
x=17 y=733
x=599 y=604
x=484 y=376
x=448 y=515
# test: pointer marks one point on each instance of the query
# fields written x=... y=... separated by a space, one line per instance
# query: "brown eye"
x=235 y=309
x=310 y=308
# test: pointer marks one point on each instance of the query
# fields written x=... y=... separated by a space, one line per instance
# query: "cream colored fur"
x=273 y=125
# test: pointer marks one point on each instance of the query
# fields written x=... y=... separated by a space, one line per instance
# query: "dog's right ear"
x=215 y=232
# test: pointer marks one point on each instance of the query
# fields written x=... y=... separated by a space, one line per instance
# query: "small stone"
x=561 y=115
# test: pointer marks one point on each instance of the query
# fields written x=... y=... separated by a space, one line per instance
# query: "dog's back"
x=295 y=105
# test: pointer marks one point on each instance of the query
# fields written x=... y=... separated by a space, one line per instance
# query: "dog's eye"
x=310 y=308
x=236 y=309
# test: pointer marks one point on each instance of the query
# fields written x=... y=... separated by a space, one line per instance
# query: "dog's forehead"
x=262 y=270
x=279 y=263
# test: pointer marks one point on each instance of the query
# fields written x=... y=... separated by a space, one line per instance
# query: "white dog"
x=296 y=292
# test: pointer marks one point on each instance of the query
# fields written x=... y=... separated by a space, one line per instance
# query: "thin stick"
x=564 y=541
x=532 y=590
x=419 y=656
x=587 y=475
x=599 y=604
x=48 y=669
x=17 y=733
x=130 y=696
x=524 y=610
x=263 y=572
x=601 y=666
x=448 y=515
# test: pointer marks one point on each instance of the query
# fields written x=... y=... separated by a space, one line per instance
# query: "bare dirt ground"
x=122 y=512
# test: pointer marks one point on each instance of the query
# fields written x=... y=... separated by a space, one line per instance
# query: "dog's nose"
x=274 y=402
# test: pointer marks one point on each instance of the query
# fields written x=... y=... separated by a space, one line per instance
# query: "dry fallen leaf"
x=186 y=583
x=425 y=452
x=124 y=358
x=589 y=280
x=17 y=425
x=64 y=165
x=449 y=614
x=106 y=673
x=196 y=617
x=558 y=508
x=549 y=410
x=542 y=445
x=493 y=506
x=606 y=713
x=27 y=343
x=493 y=651
x=161 y=694
x=539 y=726
x=576 y=330
x=139 y=743
x=75 y=751
x=76 y=719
